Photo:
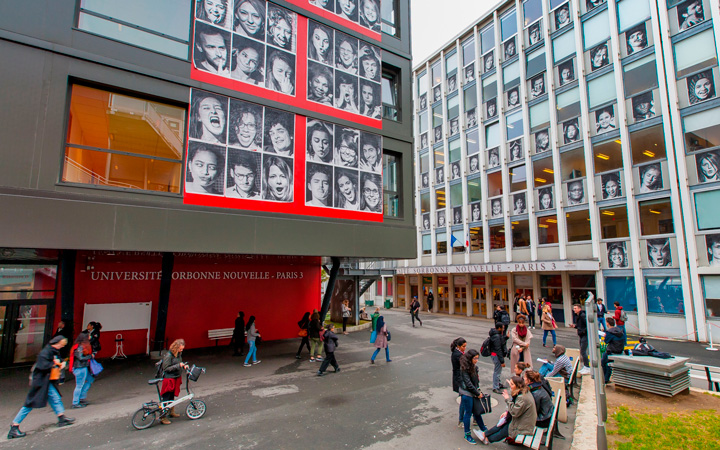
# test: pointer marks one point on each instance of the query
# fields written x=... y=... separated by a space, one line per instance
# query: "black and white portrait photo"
x=279 y=132
x=455 y=171
x=211 y=49
x=424 y=140
x=370 y=57
x=611 y=186
x=708 y=166
x=370 y=99
x=215 y=12
x=426 y=222
x=346 y=53
x=437 y=93
x=562 y=16
x=370 y=15
x=701 y=87
x=545 y=198
x=636 y=38
x=205 y=172
x=318 y=191
x=346 y=147
x=489 y=61
x=605 y=120
x=347 y=9
x=328 y=5
x=519 y=204
x=537 y=86
x=248 y=61
x=454 y=126
x=493 y=158
x=491 y=108
x=535 y=33
x=243 y=174
x=425 y=180
x=712 y=241
x=658 y=252
x=319 y=141
x=246 y=125
x=650 y=178
x=208 y=117
x=470 y=73
x=422 y=101
x=617 y=255
x=321 y=43
x=438 y=134
x=441 y=218
x=571 y=131
x=599 y=57
x=280 y=71
x=510 y=48
x=346 y=189
x=457 y=215
x=513 y=98
x=452 y=83
x=542 y=141
x=471 y=117
x=496 y=208
x=281 y=28
x=475 y=211
x=690 y=13
x=249 y=18
x=643 y=106
x=566 y=72
x=439 y=175
x=515 y=150
x=321 y=82
x=346 y=92
x=592 y=4
x=575 y=193
x=370 y=152
x=371 y=192
x=474 y=163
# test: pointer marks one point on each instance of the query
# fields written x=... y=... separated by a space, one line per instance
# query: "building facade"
x=169 y=163
x=571 y=146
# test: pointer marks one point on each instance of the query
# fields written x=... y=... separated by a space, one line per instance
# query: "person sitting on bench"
x=541 y=393
x=520 y=417
x=562 y=365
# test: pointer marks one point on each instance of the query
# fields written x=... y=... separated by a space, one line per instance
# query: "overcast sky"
x=436 y=22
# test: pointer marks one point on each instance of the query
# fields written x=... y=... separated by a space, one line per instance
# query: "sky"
x=433 y=27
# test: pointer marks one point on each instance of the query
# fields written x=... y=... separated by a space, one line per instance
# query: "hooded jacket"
x=455 y=361
x=543 y=402
x=617 y=315
x=497 y=344
x=615 y=340
x=580 y=320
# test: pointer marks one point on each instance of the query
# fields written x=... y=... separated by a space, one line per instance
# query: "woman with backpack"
x=172 y=368
x=316 y=345
x=548 y=324
x=469 y=391
x=252 y=335
x=381 y=341
x=457 y=349
x=303 y=324
x=80 y=366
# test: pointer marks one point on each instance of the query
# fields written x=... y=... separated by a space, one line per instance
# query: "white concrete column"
x=451 y=294
x=567 y=300
x=489 y=307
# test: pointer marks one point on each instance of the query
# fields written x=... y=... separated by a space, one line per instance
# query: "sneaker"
x=297 y=356
x=337 y=370
x=84 y=401
x=247 y=365
x=64 y=421
x=319 y=359
x=320 y=373
x=497 y=391
x=469 y=439
x=256 y=362
x=502 y=386
x=79 y=405
x=480 y=435
x=461 y=424
x=585 y=371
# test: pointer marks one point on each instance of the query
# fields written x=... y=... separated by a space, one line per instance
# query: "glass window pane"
x=474 y=190
x=439 y=157
x=596 y=30
x=520 y=233
x=494 y=181
x=453 y=105
x=492 y=135
x=640 y=75
x=578 y=226
x=437 y=113
x=695 y=53
x=543 y=172
x=539 y=115
x=487 y=39
x=573 y=164
x=422 y=83
x=508 y=25
x=468 y=51
x=647 y=144
x=427 y=244
x=568 y=104
x=656 y=217
x=535 y=62
x=436 y=73
x=614 y=222
x=518 y=178
x=665 y=295
x=607 y=156
x=631 y=12
x=555 y=3
x=424 y=163
x=470 y=98
x=454 y=150
x=563 y=46
x=511 y=75
x=489 y=88
x=601 y=90
x=532 y=10
x=171 y=17
x=711 y=286
x=476 y=238
x=440 y=198
x=622 y=290
x=425 y=202
x=456 y=195
x=497 y=237
x=473 y=142
x=133 y=36
x=547 y=230
x=702 y=130
x=708 y=214
x=441 y=239
x=458 y=241
x=423 y=122
x=514 y=126
x=451 y=64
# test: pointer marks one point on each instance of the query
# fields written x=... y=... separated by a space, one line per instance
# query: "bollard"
x=712 y=347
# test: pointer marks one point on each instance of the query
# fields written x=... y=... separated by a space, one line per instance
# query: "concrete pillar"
x=468 y=294
x=567 y=300
x=511 y=295
x=451 y=294
x=435 y=293
x=489 y=307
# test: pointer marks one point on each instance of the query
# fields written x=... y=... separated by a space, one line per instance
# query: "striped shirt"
x=562 y=362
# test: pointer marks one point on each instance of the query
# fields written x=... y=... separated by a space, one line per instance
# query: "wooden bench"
x=573 y=379
x=535 y=441
x=220 y=333
x=711 y=373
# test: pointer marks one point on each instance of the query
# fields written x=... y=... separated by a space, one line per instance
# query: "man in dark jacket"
x=615 y=341
x=331 y=343
x=238 y=337
x=580 y=324
x=42 y=388
x=430 y=301
x=601 y=313
x=65 y=332
x=497 y=354
x=415 y=311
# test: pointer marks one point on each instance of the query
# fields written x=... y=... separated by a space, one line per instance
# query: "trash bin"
x=369 y=303
x=388 y=303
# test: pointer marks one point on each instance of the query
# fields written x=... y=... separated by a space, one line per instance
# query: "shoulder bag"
x=95 y=367
x=482 y=405
x=387 y=333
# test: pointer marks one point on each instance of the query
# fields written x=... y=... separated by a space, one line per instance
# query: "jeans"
x=554 y=336
x=55 y=403
x=601 y=321
x=377 y=350
x=345 y=321
x=466 y=402
x=462 y=410
x=546 y=369
x=497 y=434
x=415 y=315
x=497 y=372
x=584 y=350
x=304 y=342
x=316 y=347
x=607 y=370
x=329 y=359
x=83 y=381
x=531 y=319
x=252 y=352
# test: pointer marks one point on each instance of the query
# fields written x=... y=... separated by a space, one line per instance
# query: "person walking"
x=601 y=313
x=415 y=311
x=620 y=317
x=172 y=369
x=374 y=318
x=615 y=341
x=522 y=309
x=548 y=324
x=580 y=324
x=382 y=340
x=65 y=332
x=93 y=332
x=316 y=346
x=430 y=301
x=520 y=417
x=44 y=387
x=530 y=305
x=80 y=366
x=238 y=337
x=304 y=342
x=457 y=349
x=331 y=343
x=520 y=337
x=252 y=335
x=497 y=354
x=469 y=391
x=345 y=314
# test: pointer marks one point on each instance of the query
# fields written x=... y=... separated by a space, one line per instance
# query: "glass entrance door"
x=24 y=331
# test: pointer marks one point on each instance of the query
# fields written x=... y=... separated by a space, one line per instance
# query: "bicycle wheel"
x=195 y=409
x=143 y=418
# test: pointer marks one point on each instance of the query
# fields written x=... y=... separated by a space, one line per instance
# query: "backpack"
x=159 y=372
x=71 y=361
x=623 y=316
x=485 y=348
x=322 y=334
x=505 y=318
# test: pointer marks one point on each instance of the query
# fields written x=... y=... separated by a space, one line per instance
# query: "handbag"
x=302 y=333
x=95 y=367
x=373 y=336
x=55 y=373
x=482 y=405
x=258 y=340
x=387 y=333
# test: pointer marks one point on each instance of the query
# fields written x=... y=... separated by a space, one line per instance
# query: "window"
x=441 y=239
x=508 y=25
x=532 y=10
x=601 y=90
x=708 y=214
x=563 y=46
x=573 y=164
x=695 y=53
x=451 y=64
x=437 y=115
x=547 y=230
x=640 y=75
x=392 y=183
x=489 y=88
x=456 y=198
x=476 y=239
x=596 y=30
x=578 y=226
x=664 y=295
x=511 y=75
x=702 y=130
x=487 y=39
x=439 y=157
x=453 y=106
x=495 y=185
x=391 y=103
x=647 y=144
x=436 y=71
x=631 y=12
x=543 y=172
x=440 y=198
x=454 y=150
x=472 y=140
x=568 y=104
x=424 y=163
x=614 y=222
x=518 y=179
x=622 y=290
x=161 y=25
x=555 y=3
x=425 y=202
x=492 y=135
x=427 y=244
x=458 y=241
x=474 y=191
x=125 y=142
x=497 y=237
x=514 y=123
x=520 y=233
x=607 y=156
x=711 y=287
x=470 y=98
x=389 y=17
x=422 y=86
x=656 y=217
x=539 y=116
x=535 y=62
x=468 y=49
x=423 y=126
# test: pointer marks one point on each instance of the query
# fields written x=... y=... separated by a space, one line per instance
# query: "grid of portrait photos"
x=344 y=168
x=364 y=12
x=343 y=72
x=252 y=41
x=239 y=149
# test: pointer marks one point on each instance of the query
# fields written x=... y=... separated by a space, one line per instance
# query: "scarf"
x=521 y=331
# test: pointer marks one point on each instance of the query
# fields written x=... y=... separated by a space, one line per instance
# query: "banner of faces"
x=566 y=72
x=457 y=215
x=658 y=252
x=516 y=150
x=343 y=72
x=474 y=163
x=471 y=117
x=364 y=12
x=712 y=242
x=344 y=168
x=496 y=208
x=252 y=41
x=475 y=214
x=701 y=87
x=562 y=16
x=636 y=38
x=537 y=86
x=542 y=140
x=422 y=102
x=576 y=193
x=546 y=199
x=571 y=131
x=617 y=255
x=651 y=178
x=426 y=222
x=592 y=4
x=611 y=186
x=441 y=218
x=708 y=166
x=519 y=204
x=689 y=14
x=605 y=120
x=493 y=158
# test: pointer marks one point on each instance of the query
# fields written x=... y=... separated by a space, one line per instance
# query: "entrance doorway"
x=24 y=328
x=442 y=295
